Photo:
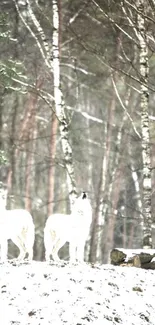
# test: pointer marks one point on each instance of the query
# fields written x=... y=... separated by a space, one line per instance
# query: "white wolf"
x=18 y=226
x=73 y=228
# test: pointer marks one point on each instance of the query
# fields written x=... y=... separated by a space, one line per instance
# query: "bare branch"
x=125 y=109
x=86 y=115
x=48 y=98
x=40 y=32
x=32 y=34
x=114 y=23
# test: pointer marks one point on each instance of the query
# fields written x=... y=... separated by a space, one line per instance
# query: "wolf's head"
x=82 y=206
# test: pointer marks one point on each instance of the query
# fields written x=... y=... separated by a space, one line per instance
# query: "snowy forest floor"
x=40 y=293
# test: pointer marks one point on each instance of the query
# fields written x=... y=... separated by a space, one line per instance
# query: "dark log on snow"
x=133 y=257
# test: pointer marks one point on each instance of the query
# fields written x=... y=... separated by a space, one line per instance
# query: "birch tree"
x=136 y=31
x=144 y=102
x=54 y=67
x=51 y=182
x=60 y=107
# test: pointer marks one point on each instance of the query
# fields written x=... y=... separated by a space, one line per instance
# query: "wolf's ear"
x=84 y=195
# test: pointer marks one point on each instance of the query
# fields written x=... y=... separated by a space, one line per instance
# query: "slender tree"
x=30 y=145
x=51 y=182
x=144 y=102
x=60 y=107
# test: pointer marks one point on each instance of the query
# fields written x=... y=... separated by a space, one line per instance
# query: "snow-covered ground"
x=40 y=293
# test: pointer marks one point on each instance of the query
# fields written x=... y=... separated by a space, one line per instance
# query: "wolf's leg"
x=47 y=255
x=80 y=250
x=19 y=243
x=29 y=242
x=49 y=240
x=30 y=253
x=58 y=244
x=72 y=251
x=4 y=250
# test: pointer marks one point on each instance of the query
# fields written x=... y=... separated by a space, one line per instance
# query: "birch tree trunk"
x=30 y=155
x=4 y=170
x=52 y=62
x=12 y=170
x=60 y=109
x=2 y=95
x=144 y=71
x=113 y=194
x=51 y=181
x=98 y=222
x=135 y=178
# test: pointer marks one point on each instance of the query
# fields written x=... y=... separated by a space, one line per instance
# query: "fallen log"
x=144 y=258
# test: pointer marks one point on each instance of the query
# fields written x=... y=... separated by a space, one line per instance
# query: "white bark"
x=137 y=189
x=59 y=107
x=101 y=215
x=54 y=67
x=42 y=45
x=144 y=70
x=135 y=178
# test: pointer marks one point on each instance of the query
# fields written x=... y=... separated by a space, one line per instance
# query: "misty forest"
x=77 y=113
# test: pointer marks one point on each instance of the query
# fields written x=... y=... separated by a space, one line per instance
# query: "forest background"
x=77 y=113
